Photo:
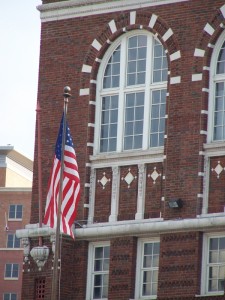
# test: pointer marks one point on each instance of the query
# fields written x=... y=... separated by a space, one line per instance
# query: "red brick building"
x=16 y=172
x=147 y=117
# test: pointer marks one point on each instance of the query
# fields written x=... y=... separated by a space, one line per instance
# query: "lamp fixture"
x=175 y=203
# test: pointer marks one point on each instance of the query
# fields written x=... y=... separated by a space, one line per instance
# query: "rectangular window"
x=98 y=271
x=15 y=211
x=213 y=264
x=13 y=241
x=11 y=271
x=147 y=269
x=9 y=296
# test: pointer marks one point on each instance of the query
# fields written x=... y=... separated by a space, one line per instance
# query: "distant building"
x=16 y=173
x=147 y=116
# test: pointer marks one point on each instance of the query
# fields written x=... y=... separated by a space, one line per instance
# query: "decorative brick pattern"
x=122 y=268
x=216 y=198
x=128 y=193
x=179 y=264
x=153 y=190
x=103 y=194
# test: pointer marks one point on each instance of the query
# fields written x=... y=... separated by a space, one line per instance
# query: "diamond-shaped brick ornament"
x=104 y=180
x=129 y=178
x=154 y=175
x=218 y=169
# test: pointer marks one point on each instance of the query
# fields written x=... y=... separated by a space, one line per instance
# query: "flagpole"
x=38 y=111
x=56 y=266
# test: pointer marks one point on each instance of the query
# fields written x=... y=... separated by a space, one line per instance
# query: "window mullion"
x=123 y=59
x=146 y=126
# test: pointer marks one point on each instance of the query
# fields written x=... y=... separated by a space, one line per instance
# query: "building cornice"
x=74 y=9
x=132 y=228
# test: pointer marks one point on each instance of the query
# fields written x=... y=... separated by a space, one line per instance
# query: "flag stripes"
x=71 y=186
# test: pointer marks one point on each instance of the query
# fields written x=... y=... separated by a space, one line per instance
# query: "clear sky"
x=19 y=61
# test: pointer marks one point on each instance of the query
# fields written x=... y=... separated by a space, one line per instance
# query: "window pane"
x=134 y=116
x=128 y=142
x=137 y=141
x=98 y=280
x=136 y=61
x=12 y=211
x=16 y=242
x=111 y=145
x=15 y=271
x=8 y=269
x=160 y=66
x=10 y=241
x=157 y=118
x=98 y=265
x=115 y=81
x=97 y=293
x=104 y=131
x=99 y=252
x=109 y=122
x=221 y=61
x=6 y=297
x=105 y=117
x=19 y=211
x=112 y=69
x=138 y=127
x=113 y=130
x=129 y=128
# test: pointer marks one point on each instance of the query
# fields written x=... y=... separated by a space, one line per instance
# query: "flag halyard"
x=71 y=185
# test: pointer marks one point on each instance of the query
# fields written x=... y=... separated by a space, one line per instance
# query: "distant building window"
x=11 y=271
x=13 y=241
x=147 y=269
x=98 y=271
x=9 y=296
x=213 y=270
x=15 y=211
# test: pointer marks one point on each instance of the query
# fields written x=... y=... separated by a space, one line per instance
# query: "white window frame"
x=15 y=219
x=12 y=266
x=10 y=295
x=90 y=273
x=205 y=256
x=14 y=239
x=123 y=90
x=139 y=264
x=213 y=79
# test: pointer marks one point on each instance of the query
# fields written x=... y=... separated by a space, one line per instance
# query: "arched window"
x=217 y=93
x=131 y=95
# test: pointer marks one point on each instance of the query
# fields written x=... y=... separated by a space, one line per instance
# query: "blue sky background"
x=19 y=61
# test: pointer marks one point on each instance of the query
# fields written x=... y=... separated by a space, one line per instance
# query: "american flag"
x=71 y=185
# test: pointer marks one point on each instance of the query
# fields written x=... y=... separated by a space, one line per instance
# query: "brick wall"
x=65 y=47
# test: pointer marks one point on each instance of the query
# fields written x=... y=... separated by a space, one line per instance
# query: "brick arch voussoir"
x=122 y=23
x=209 y=35
x=201 y=73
